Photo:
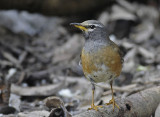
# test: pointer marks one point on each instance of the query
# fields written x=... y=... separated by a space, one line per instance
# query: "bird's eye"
x=92 y=26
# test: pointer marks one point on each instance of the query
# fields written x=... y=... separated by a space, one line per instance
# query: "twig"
x=127 y=88
x=37 y=91
x=21 y=78
x=11 y=59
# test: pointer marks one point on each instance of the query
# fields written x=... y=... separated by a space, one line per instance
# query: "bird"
x=101 y=58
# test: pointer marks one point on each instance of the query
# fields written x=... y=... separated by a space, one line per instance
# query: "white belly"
x=102 y=75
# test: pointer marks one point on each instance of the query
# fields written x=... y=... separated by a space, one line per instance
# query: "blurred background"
x=40 y=53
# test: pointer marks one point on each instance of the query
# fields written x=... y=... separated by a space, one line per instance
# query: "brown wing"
x=119 y=51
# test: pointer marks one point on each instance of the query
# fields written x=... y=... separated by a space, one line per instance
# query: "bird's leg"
x=112 y=101
x=92 y=105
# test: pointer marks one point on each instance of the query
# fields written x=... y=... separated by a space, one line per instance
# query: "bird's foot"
x=112 y=101
x=94 y=107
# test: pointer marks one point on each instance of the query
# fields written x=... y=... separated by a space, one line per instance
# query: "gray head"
x=92 y=29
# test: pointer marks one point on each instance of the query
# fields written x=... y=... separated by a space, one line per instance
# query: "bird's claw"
x=112 y=101
x=94 y=107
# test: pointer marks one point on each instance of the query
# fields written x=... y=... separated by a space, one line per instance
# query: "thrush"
x=101 y=58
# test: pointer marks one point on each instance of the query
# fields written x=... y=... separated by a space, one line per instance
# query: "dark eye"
x=92 y=26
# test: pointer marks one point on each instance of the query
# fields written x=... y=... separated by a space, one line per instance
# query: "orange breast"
x=107 y=55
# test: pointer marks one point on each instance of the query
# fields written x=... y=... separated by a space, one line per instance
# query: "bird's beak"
x=79 y=25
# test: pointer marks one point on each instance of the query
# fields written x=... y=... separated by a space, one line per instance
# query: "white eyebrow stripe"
x=95 y=25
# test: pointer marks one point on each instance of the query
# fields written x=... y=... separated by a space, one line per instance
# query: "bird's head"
x=90 y=28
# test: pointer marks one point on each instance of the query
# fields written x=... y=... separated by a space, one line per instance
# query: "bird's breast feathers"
x=101 y=64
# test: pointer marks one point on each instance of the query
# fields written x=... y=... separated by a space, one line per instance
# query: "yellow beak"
x=79 y=25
